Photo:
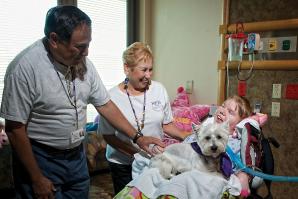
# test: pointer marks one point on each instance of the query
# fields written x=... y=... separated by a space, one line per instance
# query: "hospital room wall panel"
x=259 y=88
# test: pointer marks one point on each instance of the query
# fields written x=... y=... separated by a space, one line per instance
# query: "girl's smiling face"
x=228 y=111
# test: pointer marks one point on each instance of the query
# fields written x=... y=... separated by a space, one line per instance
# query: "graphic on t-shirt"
x=156 y=105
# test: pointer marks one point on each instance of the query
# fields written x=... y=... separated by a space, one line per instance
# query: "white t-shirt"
x=35 y=94
x=158 y=112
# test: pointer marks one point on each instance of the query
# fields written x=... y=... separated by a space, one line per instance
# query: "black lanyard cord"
x=69 y=96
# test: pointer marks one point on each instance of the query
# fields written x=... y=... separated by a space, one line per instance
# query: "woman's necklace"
x=142 y=124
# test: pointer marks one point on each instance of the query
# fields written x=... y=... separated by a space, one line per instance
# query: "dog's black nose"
x=214 y=148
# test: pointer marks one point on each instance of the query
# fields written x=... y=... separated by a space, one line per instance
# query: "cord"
x=228 y=80
x=244 y=168
x=249 y=72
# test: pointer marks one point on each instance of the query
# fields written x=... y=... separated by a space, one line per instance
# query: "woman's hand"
x=157 y=149
x=144 y=143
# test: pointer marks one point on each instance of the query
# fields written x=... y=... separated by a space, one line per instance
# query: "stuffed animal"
x=184 y=114
x=182 y=98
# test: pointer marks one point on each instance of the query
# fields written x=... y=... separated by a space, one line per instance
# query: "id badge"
x=77 y=135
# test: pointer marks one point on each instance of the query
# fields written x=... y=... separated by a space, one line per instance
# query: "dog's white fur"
x=180 y=157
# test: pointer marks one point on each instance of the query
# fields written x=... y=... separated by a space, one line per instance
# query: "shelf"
x=261 y=26
x=261 y=65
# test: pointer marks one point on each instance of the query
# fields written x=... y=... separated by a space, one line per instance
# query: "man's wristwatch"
x=137 y=136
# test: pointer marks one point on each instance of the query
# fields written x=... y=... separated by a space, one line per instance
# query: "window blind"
x=109 y=22
x=20 y=26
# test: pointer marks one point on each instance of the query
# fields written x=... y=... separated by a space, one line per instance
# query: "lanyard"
x=140 y=126
x=70 y=95
x=67 y=91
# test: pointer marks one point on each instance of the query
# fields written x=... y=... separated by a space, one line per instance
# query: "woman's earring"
x=126 y=82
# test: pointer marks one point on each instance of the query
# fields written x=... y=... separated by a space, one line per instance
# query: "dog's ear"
x=195 y=127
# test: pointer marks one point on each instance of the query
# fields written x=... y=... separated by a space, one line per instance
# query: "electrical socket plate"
x=257 y=107
x=276 y=91
x=212 y=110
x=189 y=86
x=275 y=109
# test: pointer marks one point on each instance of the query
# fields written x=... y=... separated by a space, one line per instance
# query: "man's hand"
x=144 y=142
x=43 y=188
x=17 y=134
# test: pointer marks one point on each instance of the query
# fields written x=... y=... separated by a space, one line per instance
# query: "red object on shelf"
x=242 y=88
x=292 y=91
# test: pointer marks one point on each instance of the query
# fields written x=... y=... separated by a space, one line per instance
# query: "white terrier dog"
x=202 y=155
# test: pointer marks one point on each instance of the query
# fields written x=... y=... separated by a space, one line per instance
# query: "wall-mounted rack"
x=261 y=65
x=261 y=26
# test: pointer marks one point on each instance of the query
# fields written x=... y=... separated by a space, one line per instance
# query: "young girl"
x=234 y=109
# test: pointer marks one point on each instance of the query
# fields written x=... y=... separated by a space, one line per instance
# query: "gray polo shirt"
x=35 y=93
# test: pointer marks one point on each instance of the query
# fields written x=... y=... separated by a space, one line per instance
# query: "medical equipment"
x=248 y=170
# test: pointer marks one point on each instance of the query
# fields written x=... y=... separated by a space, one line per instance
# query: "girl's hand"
x=244 y=181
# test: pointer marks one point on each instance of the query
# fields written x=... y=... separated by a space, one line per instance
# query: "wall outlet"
x=257 y=107
x=212 y=110
x=275 y=109
x=189 y=87
x=276 y=91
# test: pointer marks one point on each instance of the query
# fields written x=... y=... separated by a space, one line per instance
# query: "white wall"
x=186 y=45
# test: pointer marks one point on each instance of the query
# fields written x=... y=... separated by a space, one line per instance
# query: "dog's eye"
x=207 y=137
x=218 y=137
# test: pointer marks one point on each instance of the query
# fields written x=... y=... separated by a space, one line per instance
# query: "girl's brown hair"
x=244 y=109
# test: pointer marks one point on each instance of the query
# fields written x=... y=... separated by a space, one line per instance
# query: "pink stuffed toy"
x=182 y=98
x=181 y=111
x=184 y=114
